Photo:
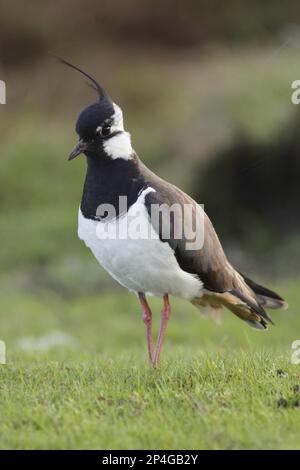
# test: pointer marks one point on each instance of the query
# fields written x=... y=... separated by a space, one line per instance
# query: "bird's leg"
x=147 y=318
x=165 y=315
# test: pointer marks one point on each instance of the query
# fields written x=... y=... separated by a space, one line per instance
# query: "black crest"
x=95 y=114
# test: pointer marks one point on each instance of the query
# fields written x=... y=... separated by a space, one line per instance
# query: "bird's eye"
x=105 y=131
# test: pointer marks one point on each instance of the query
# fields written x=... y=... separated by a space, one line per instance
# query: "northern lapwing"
x=116 y=222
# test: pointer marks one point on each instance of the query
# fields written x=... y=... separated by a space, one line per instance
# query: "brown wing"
x=224 y=285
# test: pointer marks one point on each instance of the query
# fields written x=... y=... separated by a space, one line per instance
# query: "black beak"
x=79 y=148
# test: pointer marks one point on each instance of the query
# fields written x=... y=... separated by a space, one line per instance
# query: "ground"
x=77 y=376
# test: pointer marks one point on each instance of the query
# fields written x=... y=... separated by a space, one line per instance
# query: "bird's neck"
x=106 y=180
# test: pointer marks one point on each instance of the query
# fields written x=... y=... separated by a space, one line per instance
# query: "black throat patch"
x=106 y=180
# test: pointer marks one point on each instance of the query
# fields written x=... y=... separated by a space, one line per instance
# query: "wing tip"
x=262 y=326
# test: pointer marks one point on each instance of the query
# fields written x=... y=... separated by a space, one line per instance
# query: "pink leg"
x=147 y=318
x=165 y=315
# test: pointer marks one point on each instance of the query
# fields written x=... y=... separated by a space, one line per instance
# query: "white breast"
x=131 y=251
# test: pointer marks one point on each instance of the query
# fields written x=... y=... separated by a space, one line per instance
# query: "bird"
x=116 y=221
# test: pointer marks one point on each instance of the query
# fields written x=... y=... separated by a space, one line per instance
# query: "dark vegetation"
x=253 y=186
x=173 y=24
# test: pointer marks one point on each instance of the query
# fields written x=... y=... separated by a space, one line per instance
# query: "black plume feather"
x=94 y=84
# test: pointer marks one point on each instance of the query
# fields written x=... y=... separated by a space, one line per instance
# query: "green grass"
x=218 y=386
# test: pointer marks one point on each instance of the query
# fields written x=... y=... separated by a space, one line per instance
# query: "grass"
x=218 y=387
x=207 y=402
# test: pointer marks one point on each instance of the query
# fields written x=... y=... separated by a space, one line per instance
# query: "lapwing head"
x=100 y=127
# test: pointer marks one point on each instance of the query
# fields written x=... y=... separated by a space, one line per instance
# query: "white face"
x=118 y=146
x=118 y=123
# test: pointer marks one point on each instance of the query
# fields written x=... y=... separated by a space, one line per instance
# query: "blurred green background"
x=206 y=92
